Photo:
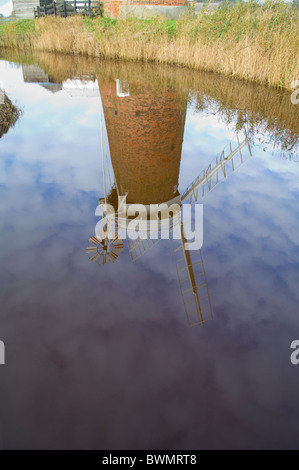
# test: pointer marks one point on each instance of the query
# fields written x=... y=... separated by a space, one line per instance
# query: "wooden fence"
x=68 y=8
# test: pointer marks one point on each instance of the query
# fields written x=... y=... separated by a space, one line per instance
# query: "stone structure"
x=24 y=9
x=32 y=73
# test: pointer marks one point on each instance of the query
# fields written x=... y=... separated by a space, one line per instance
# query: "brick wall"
x=145 y=132
x=111 y=7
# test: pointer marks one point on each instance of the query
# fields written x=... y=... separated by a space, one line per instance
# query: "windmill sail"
x=229 y=160
x=193 y=282
x=189 y=264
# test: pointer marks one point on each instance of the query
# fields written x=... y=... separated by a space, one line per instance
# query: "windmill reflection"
x=142 y=130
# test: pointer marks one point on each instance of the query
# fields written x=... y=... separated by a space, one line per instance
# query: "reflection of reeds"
x=262 y=109
x=9 y=115
x=248 y=41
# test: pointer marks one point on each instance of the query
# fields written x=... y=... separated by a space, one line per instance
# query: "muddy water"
x=103 y=356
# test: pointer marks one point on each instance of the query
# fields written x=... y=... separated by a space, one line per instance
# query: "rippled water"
x=103 y=356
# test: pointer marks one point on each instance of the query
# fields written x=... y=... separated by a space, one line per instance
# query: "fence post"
x=75 y=6
x=90 y=10
x=65 y=11
x=54 y=6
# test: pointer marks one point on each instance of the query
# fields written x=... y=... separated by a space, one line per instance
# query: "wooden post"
x=75 y=6
x=90 y=10
x=54 y=6
x=65 y=11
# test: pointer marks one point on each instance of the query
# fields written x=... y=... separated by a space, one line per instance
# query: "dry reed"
x=247 y=41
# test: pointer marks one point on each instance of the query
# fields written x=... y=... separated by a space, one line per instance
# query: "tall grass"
x=18 y=35
x=244 y=40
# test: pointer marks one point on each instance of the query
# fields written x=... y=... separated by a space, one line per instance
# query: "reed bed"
x=248 y=41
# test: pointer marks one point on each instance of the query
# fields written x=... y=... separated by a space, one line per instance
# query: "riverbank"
x=245 y=40
x=9 y=114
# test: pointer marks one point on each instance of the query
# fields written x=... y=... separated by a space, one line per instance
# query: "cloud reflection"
x=103 y=358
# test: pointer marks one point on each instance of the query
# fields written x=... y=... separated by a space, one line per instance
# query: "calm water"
x=102 y=356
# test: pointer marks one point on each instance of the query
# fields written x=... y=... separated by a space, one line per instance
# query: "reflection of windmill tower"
x=145 y=129
x=144 y=135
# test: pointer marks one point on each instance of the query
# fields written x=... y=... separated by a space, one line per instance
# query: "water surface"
x=102 y=356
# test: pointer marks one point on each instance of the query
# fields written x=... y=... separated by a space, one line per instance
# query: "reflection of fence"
x=68 y=8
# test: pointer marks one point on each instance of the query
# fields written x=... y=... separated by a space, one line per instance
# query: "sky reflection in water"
x=103 y=358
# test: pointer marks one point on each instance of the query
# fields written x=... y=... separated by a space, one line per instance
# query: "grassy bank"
x=244 y=40
x=9 y=115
